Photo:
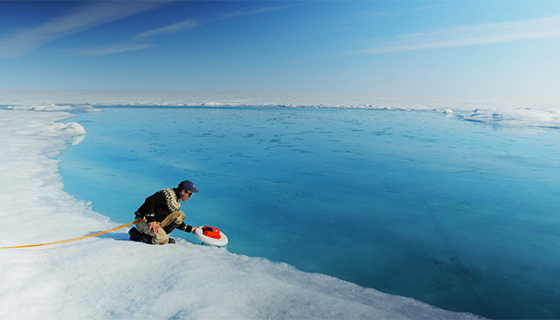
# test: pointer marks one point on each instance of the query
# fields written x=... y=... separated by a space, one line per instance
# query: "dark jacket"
x=161 y=204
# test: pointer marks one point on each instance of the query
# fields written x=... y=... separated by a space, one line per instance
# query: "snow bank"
x=542 y=112
x=109 y=277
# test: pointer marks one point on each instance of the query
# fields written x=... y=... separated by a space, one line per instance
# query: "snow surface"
x=109 y=277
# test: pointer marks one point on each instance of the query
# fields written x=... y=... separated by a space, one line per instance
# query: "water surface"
x=461 y=215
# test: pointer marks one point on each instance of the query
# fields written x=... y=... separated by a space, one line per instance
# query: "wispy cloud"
x=364 y=15
x=430 y=7
x=111 y=49
x=174 y=28
x=190 y=24
x=180 y=27
x=470 y=35
x=85 y=16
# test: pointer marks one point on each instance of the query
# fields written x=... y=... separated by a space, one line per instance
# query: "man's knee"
x=177 y=217
x=180 y=218
x=161 y=238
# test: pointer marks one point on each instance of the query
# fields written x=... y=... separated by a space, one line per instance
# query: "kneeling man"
x=161 y=215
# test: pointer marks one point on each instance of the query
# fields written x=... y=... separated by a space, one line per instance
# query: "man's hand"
x=154 y=226
x=193 y=229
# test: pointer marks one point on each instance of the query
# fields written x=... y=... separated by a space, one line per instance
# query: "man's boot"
x=136 y=235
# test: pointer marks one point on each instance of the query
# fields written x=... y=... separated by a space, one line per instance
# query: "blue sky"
x=475 y=48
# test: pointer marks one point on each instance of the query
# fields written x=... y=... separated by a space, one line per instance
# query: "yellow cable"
x=74 y=239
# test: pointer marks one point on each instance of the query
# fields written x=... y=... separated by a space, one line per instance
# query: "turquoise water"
x=461 y=215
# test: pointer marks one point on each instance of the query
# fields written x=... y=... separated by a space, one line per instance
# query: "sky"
x=457 y=48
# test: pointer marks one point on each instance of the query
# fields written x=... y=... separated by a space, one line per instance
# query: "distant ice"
x=538 y=112
x=109 y=277
x=547 y=117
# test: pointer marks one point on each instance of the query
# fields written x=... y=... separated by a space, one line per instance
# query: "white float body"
x=215 y=242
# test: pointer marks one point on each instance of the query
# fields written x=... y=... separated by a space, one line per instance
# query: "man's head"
x=188 y=186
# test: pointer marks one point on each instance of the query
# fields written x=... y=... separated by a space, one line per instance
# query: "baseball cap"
x=187 y=186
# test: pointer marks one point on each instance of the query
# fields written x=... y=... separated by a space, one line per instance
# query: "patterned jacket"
x=161 y=204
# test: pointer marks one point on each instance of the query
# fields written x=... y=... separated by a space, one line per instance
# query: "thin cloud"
x=439 y=5
x=190 y=24
x=86 y=16
x=241 y=13
x=471 y=35
x=111 y=49
x=172 y=29
x=368 y=15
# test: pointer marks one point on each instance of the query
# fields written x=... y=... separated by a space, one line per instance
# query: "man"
x=162 y=215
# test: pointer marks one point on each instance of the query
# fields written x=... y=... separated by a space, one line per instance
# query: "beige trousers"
x=161 y=237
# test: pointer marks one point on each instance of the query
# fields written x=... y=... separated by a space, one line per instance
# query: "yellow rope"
x=75 y=239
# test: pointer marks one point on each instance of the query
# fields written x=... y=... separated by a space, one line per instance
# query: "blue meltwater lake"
x=462 y=215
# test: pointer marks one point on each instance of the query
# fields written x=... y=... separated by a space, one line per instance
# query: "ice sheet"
x=109 y=277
